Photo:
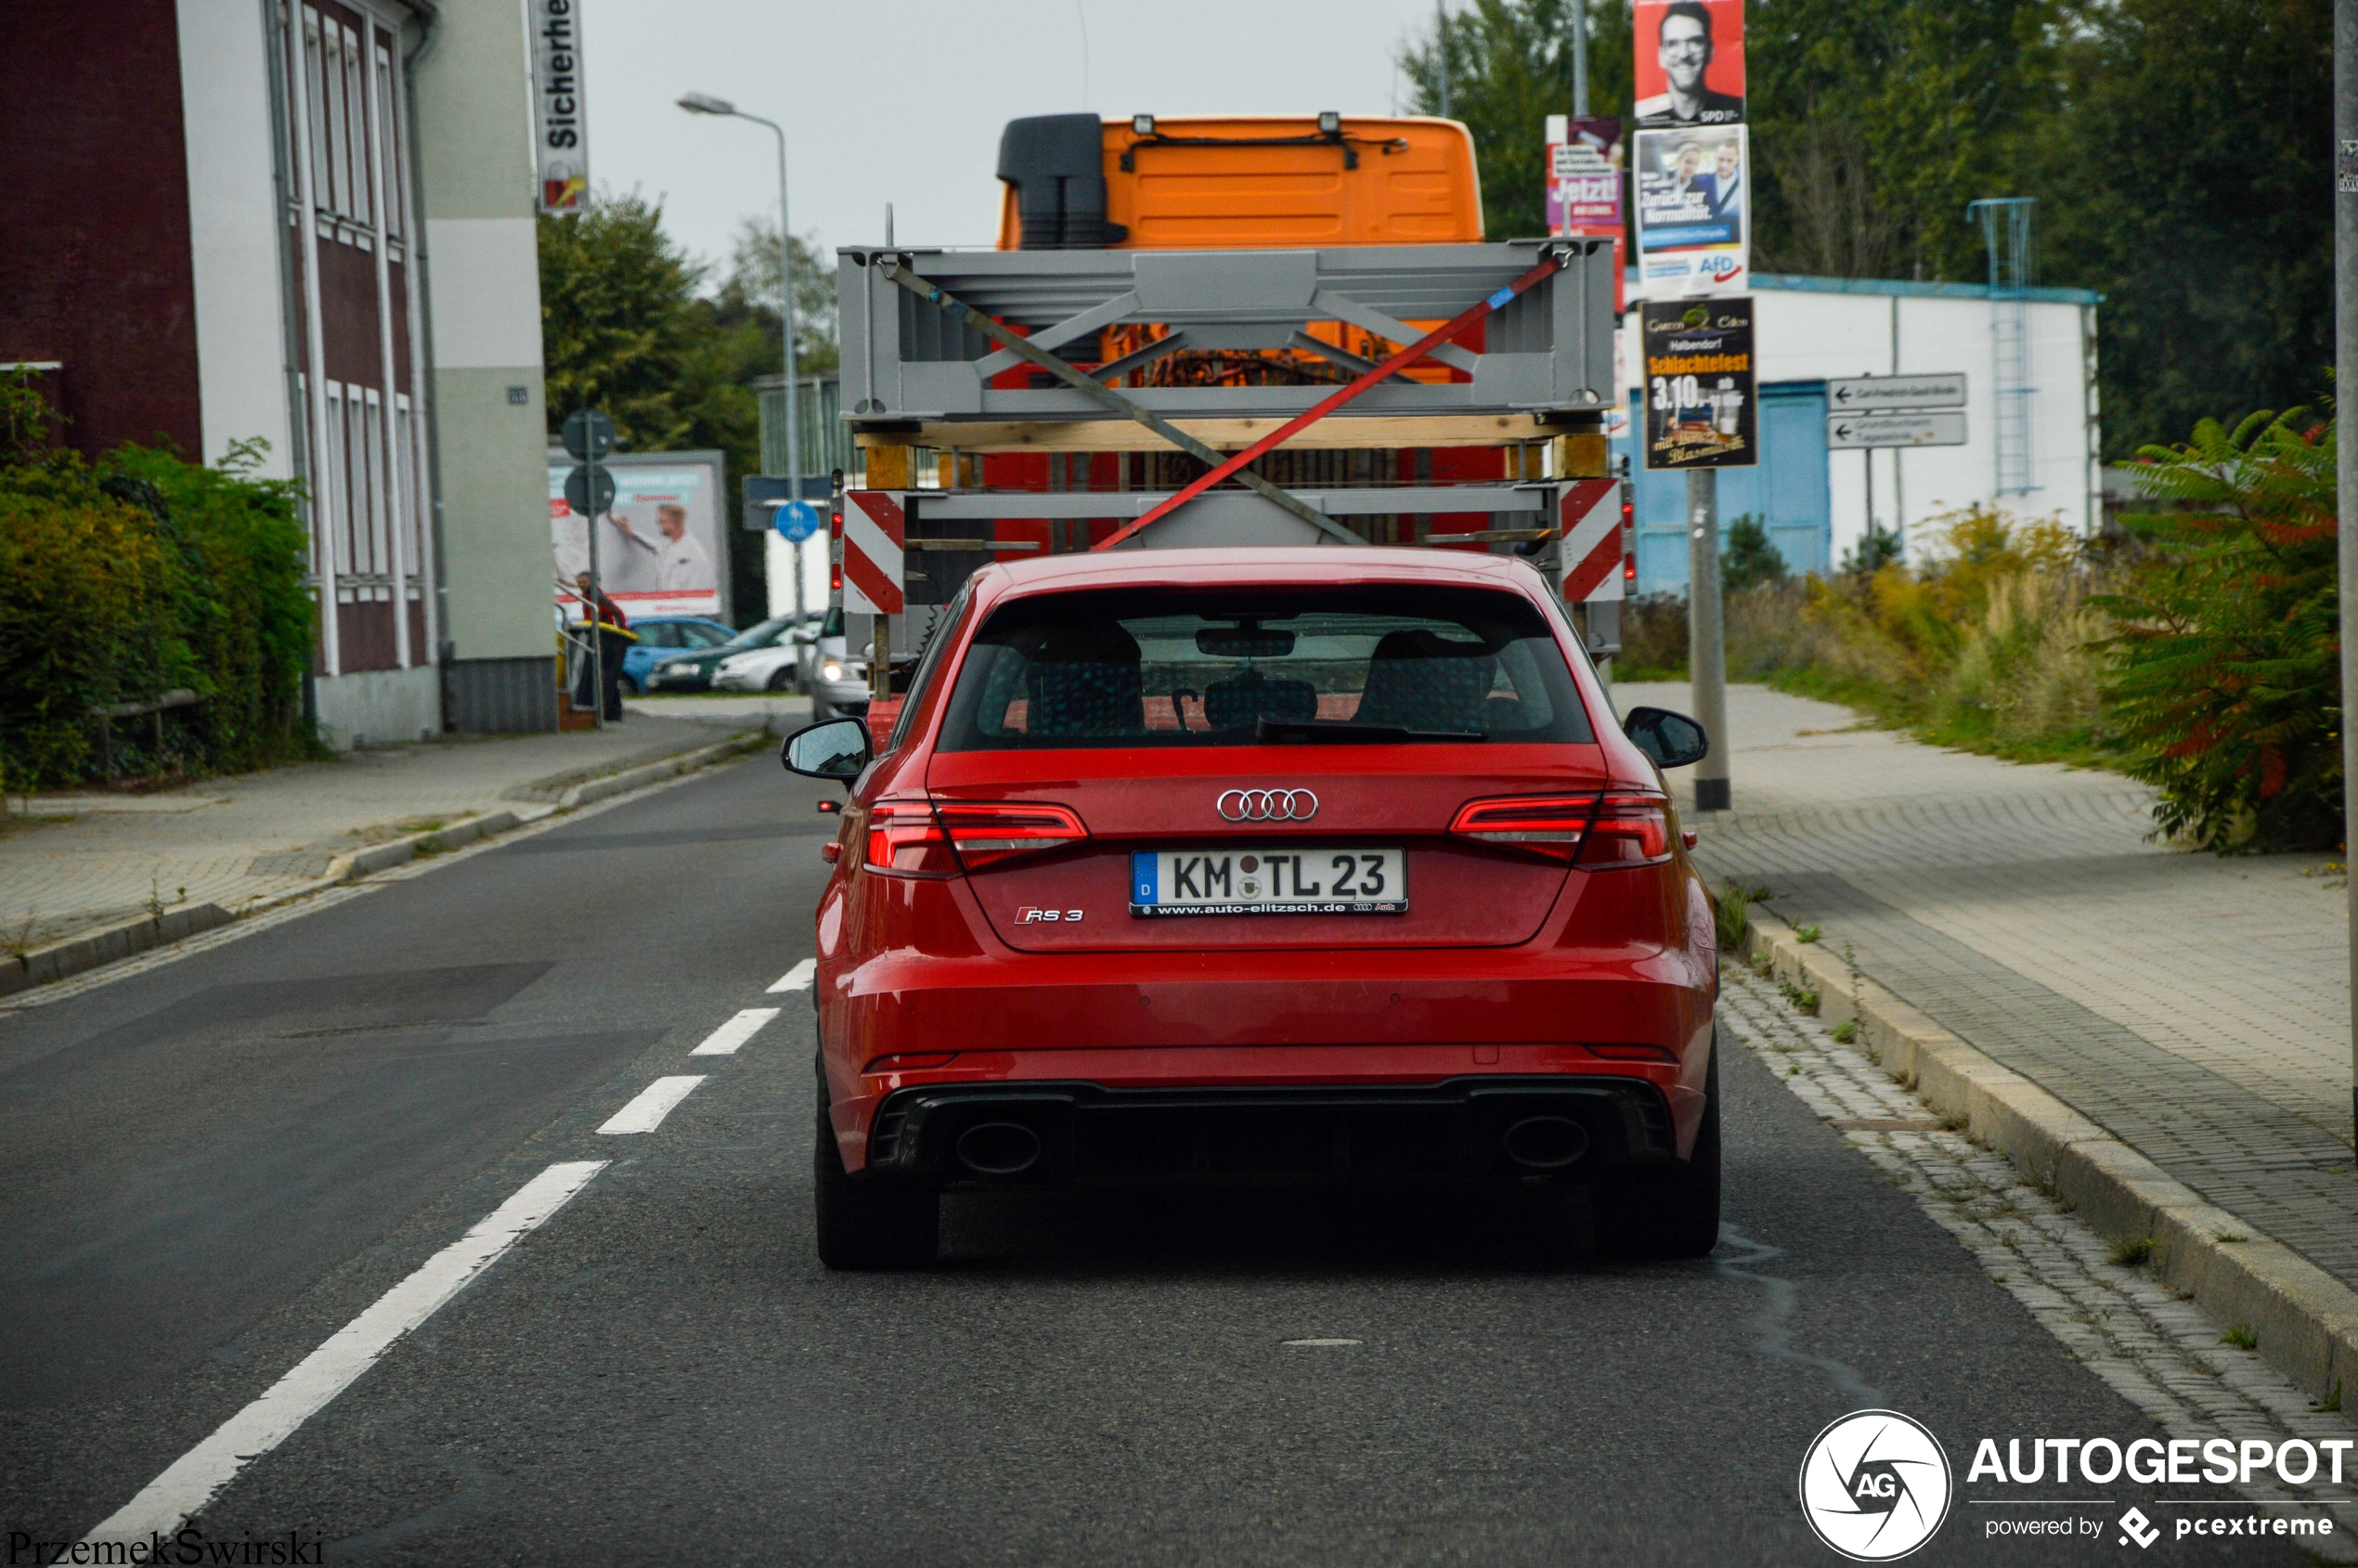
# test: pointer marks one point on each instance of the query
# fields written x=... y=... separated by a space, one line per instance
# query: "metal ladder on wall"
x=2009 y=229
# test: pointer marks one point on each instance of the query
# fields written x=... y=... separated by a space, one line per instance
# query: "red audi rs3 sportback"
x=1272 y=864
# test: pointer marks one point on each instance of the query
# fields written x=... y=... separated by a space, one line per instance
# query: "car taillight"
x=905 y=840
x=1544 y=824
x=1629 y=830
x=984 y=834
x=939 y=839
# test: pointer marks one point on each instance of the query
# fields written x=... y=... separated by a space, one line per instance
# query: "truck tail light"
x=1630 y=829
x=1551 y=825
x=985 y=834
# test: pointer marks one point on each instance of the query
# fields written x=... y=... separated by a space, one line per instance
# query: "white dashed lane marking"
x=724 y=1041
x=645 y=1113
x=197 y=1475
x=797 y=977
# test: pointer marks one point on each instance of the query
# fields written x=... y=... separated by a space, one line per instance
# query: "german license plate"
x=1284 y=881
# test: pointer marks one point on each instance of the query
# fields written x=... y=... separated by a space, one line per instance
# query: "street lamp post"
x=704 y=103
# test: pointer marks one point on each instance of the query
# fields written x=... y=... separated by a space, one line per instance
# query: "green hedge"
x=136 y=576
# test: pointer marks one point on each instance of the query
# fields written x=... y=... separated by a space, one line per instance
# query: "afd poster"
x=1694 y=209
x=1690 y=61
x=659 y=549
x=1702 y=408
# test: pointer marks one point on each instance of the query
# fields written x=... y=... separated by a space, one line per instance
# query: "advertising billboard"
x=1703 y=409
x=659 y=546
x=1694 y=208
x=1690 y=61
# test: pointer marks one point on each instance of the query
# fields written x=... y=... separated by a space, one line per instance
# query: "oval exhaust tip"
x=999 y=1148
x=1546 y=1143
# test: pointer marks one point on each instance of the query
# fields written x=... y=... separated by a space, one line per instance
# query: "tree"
x=622 y=327
x=2226 y=671
x=1748 y=558
x=2191 y=181
x=1510 y=67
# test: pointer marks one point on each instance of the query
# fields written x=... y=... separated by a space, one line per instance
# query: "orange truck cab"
x=1244 y=182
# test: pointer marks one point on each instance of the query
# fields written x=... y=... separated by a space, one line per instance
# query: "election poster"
x=1702 y=403
x=1694 y=208
x=1690 y=61
x=659 y=549
x=1586 y=168
x=560 y=123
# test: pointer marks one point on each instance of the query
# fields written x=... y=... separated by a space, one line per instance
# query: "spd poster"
x=1690 y=61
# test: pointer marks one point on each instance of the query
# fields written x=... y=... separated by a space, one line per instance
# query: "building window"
x=315 y=83
x=389 y=145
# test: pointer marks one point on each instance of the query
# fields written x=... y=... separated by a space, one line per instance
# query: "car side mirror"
x=1673 y=739
x=833 y=748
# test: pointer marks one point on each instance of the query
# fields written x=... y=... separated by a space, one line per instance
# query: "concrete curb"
x=57 y=961
x=2305 y=1320
x=78 y=954
x=654 y=773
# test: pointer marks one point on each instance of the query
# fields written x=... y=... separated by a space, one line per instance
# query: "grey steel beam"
x=960 y=506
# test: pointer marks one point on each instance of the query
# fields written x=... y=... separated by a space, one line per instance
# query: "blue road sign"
x=796 y=521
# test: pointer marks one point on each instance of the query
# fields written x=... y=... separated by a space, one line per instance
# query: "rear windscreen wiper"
x=1297 y=732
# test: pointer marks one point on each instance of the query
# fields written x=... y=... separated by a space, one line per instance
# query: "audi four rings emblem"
x=1268 y=805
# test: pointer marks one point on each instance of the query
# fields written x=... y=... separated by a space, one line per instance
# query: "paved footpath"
x=77 y=863
x=2195 y=1007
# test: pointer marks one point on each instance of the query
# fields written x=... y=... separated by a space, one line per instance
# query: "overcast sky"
x=903 y=102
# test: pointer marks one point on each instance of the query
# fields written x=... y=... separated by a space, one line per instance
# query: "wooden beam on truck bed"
x=1341 y=433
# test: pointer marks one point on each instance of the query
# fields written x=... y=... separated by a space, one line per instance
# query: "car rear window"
x=1228 y=666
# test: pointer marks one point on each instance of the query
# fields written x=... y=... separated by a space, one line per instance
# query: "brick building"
x=308 y=222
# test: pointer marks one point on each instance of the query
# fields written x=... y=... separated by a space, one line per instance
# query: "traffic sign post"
x=589 y=435
x=1864 y=413
x=1865 y=432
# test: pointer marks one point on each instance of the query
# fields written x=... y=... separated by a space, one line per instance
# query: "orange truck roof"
x=1248 y=182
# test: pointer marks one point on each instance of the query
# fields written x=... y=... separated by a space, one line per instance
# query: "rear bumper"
x=1485 y=1127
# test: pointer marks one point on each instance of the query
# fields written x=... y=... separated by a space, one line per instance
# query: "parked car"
x=691 y=671
x=662 y=636
x=772 y=666
x=1280 y=865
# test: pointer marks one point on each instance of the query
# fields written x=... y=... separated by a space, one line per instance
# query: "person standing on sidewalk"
x=615 y=637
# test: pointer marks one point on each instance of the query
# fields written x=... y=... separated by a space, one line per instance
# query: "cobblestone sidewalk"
x=2158 y=1352
x=79 y=861
x=2196 y=1008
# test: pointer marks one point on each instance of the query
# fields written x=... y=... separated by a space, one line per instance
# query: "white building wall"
x=236 y=230
x=1807 y=334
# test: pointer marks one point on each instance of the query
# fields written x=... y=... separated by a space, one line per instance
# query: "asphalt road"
x=212 y=1166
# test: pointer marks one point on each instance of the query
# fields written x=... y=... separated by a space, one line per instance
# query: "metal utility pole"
x=1579 y=57
x=2346 y=433
x=1706 y=643
x=704 y=103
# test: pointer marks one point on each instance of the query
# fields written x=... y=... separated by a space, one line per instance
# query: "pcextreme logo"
x=1875 y=1485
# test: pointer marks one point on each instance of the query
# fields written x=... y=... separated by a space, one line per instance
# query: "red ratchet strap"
x=1551 y=263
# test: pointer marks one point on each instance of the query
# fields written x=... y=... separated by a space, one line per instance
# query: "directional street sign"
x=1853 y=432
x=1941 y=389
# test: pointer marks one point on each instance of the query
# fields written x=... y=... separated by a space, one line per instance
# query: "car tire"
x=630 y=687
x=1672 y=1214
x=867 y=1224
x=821 y=709
x=783 y=679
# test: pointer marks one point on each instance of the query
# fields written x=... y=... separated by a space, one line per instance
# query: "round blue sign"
x=796 y=521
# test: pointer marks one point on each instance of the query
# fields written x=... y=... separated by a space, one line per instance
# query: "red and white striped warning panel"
x=1591 y=514
x=875 y=536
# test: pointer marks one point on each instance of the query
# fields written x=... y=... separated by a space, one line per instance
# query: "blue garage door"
x=1788 y=488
